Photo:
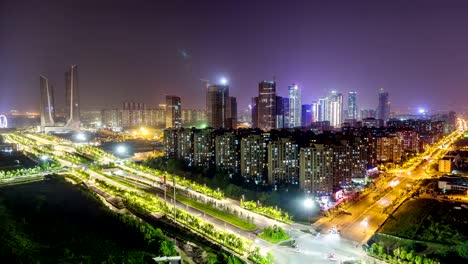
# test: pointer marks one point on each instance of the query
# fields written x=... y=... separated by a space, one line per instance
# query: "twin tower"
x=72 y=106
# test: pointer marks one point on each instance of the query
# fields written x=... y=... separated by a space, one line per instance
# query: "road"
x=315 y=248
x=368 y=214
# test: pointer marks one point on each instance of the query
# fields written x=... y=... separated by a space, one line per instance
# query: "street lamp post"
x=174 y=198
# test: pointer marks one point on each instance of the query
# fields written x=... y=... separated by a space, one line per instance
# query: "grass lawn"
x=55 y=222
x=271 y=239
x=428 y=220
x=230 y=218
x=407 y=219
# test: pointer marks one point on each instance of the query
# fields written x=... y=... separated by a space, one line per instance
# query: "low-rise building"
x=445 y=165
x=453 y=183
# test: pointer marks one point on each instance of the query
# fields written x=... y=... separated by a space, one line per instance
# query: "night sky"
x=142 y=50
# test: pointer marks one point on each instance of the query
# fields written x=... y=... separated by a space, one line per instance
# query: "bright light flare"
x=308 y=203
x=121 y=149
x=44 y=158
x=223 y=81
x=384 y=202
x=365 y=222
x=81 y=136
x=394 y=183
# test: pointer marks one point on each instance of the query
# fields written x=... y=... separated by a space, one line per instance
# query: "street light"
x=121 y=149
x=308 y=203
x=80 y=136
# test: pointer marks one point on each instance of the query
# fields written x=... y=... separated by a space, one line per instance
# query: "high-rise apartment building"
x=227 y=151
x=173 y=111
x=389 y=149
x=254 y=163
x=127 y=105
x=72 y=106
x=383 y=108
x=47 y=105
x=193 y=117
x=185 y=145
x=118 y=118
x=283 y=162
x=316 y=170
x=328 y=168
x=295 y=106
x=266 y=105
x=171 y=143
x=410 y=140
x=352 y=106
x=203 y=149
x=368 y=113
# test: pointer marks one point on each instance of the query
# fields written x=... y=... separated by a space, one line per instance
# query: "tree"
x=380 y=250
x=211 y=258
x=410 y=256
x=166 y=248
x=462 y=250
x=403 y=254
x=418 y=260
x=270 y=258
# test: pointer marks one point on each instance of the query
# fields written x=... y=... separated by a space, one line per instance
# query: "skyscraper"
x=72 y=106
x=173 y=111
x=295 y=105
x=352 y=106
x=221 y=110
x=47 y=103
x=383 y=109
x=280 y=113
x=307 y=115
x=334 y=109
x=231 y=113
x=266 y=107
x=315 y=111
x=322 y=109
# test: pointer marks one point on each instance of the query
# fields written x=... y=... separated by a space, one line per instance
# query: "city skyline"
x=390 y=48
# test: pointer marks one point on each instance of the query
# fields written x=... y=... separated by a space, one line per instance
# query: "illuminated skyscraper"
x=47 y=103
x=383 y=109
x=352 y=106
x=307 y=115
x=322 y=109
x=173 y=111
x=334 y=109
x=295 y=106
x=266 y=106
x=72 y=106
x=315 y=111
